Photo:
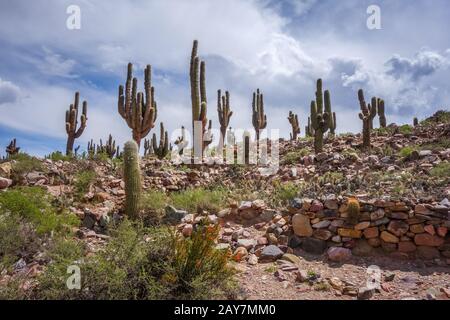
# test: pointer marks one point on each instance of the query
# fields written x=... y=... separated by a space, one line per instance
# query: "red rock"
x=349 y=233
x=442 y=231
x=421 y=209
x=316 y=206
x=187 y=230
x=339 y=254
x=388 y=237
x=406 y=246
x=425 y=239
x=430 y=229
x=362 y=225
x=398 y=228
x=370 y=233
x=417 y=228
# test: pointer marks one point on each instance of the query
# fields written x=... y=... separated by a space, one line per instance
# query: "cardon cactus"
x=139 y=111
x=259 y=118
x=161 y=150
x=132 y=179
x=381 y=114
x=415 y=122
x=332 y=117
x=72 y=122
x=224 y=112
x=11 y=148
x=148 y=150
x=309 y=130
x=353 y=210
x=293 y=120
x=198 y=93
x=368 y=112
x=320 y=120
x=109 y=148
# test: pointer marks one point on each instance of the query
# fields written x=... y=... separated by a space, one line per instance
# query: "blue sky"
x=282 y=47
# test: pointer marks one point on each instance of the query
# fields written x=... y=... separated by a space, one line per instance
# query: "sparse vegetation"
x=199 y=199
x=83 y=181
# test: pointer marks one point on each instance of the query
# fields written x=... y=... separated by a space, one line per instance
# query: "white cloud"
x=9 y=92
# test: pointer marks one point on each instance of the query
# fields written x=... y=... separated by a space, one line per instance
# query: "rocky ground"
x=288 y=231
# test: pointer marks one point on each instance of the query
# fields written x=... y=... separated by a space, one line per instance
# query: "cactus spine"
x=320 y=120
x=224 y=112
x=11 y=148
x=367 y=114
x=381 y=115
x=293 y=120
x=139 y=112
x=162 y=149
x=198 y=93
x=259 y=118
x=72 y=123
x=132 y=179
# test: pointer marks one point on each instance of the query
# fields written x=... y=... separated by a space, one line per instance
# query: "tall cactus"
x=320 y=120
x=415 y=122
x=91 y=148
x=148 y=149
x=259 y=118
x=293 y=120
x=198 y=93
x=309 y=130
x=72 y=123
x=367 y=114
x=381 y=115
x=139 y=111
x=332 y=117
x=11 y=148
x=132 y=179
x=109 y=148
x=224 y=112
x=162 y=149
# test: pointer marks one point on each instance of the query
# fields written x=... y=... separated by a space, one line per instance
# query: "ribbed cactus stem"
x=11 y=148
x=161 y=150
x=72 y=123
x=332 y=115
x=320 y=121
x=259 y=118
x=224 y=112
x=139 y=110
x=381 y=114
x=132 y=179
x=293 y=120
x=367 y=114
x=415 y=122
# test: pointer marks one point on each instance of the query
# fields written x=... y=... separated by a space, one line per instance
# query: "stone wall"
x=400 y=228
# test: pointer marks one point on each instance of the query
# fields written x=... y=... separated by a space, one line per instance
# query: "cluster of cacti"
x=181 y=141
x=381 y=115
x=161 y=150
x=368 y=112
x=259 y=118
x=198 y=95
x=353 y=210
x=224 y=112
x=132 y=179
x=309 y=130
x=109 y=148
x=139 y=111
x=148 y=149
x=11 y=148
x=293 y=120
x=72 y=123
x=321 y=120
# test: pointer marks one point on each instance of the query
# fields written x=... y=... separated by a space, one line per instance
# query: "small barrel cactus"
x=353 y=210
x=132 y=178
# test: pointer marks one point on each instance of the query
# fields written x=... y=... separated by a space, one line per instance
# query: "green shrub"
x=24 y=164
x=442 y=170
x=294 y=157
x=59 y=156
x=283 y=193
x=33 y=204
x=437 y=145
x=198 y=199
x=406 y=151
x=82 y=181
x=405 y=129
x=141 y=263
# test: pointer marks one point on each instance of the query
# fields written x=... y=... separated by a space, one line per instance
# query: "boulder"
x=5 y=183
x=270 y=253
x=301 y=225
x=426 y=239
x=339 y=254
x=389 y=237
